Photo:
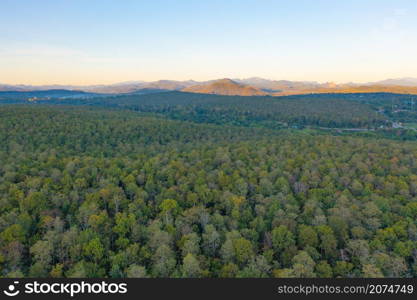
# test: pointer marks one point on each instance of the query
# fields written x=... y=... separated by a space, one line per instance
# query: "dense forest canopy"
x=256 y=111
x=101 y=192
x=345 y=111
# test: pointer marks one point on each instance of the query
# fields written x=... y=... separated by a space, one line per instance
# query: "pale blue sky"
x=88 y=42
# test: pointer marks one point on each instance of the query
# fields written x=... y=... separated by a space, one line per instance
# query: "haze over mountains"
x=254 y=86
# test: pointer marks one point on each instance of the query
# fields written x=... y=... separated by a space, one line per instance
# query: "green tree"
x=191 y=266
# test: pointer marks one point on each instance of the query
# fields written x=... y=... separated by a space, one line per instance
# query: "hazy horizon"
x=104 y=42
x=199 y=81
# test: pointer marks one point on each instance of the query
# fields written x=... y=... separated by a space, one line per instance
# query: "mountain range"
x=254 y=86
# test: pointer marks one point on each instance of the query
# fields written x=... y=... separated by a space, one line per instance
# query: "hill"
x=117 y=88
x=271 y=86
x=406 y=81
x=343 y=89
x=225 y=87
x=45 y=94
x=253 y=86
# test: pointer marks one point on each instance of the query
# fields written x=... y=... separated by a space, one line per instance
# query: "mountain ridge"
x=225 y=86
x=244 y=87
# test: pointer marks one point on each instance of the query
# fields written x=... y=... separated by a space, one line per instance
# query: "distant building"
x=397 y=125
